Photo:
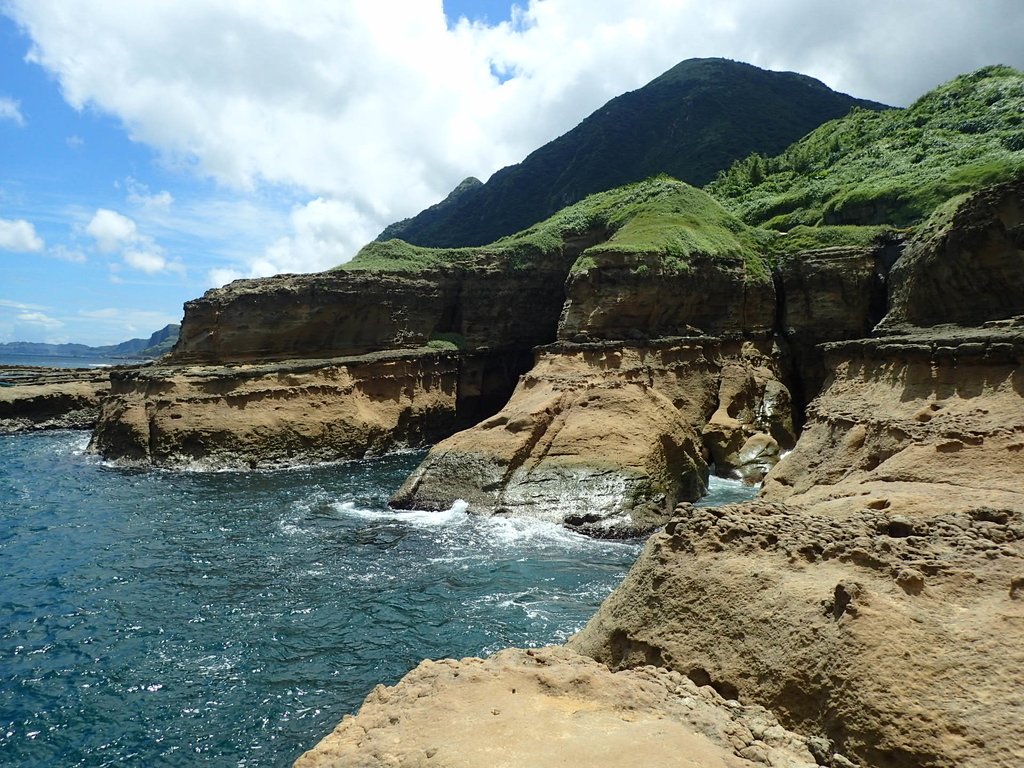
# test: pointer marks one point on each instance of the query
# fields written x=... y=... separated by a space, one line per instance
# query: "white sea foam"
x=412 y=517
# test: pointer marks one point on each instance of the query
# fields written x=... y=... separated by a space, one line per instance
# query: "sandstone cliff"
x=880 y=575
x=295 y=412
x=873 y=594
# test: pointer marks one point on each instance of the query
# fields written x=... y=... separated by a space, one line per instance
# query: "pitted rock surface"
x=551 y=707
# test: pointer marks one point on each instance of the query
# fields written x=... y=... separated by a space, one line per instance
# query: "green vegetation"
x=661 y=222
x=892 y=167
x=851 y=182
x=803 y=238
x=447 y=341
x=690 y=123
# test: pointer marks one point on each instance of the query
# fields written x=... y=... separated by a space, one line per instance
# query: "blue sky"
x=152 y=151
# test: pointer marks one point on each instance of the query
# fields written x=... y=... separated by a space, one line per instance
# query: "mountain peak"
x=691 y=122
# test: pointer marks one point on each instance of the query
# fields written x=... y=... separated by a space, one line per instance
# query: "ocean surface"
x=57 y=361
x=231 y=619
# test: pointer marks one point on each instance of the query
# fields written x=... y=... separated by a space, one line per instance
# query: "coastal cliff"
x=845 y=328
x=868 y=603
x=872 y=597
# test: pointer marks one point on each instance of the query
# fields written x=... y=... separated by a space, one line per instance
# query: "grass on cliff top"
x=662 y=219
x=892 y=167
x=802 y=238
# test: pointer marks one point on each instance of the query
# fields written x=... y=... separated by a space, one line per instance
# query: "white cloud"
x=111 y=230
x=11 y=110
x=20 y=305
x=140 y=197
x=39 y=318
x=115 y=232
x=374 y=110
x=19 y=236
x=64 y=253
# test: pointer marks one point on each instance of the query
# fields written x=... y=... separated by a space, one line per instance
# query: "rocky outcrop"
x=880 y=572
x=903 y=419
x=625 y=295
x=552 y=707
x=828 y=294
x=898 y=640
x=607 y=437
x=273 y=415
x=495 y=306
x=966 y=266
x=34 y=398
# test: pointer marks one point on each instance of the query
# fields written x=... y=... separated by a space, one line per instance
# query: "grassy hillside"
x=660 y=216
x=891 y=167
x=690 y=123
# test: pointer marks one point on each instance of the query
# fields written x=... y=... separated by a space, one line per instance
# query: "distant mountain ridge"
x=690 y=123
x=157 y=344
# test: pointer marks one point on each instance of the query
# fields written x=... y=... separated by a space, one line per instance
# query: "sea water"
x=232 y=619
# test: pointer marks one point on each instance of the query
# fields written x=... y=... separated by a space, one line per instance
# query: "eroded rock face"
x=50 y=398
x=252 y=416
x=607 y=438
x=872 y=595
x=901 y=642
x=551 y=707
x=831 y=294
x=966 y=266
x=627 y=296
x=906 y=420
x=498 y=306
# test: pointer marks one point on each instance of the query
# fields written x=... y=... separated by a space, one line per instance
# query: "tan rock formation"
x=901 y=642
x=279 y=414
x=830 y=294
x=606 y=437
x=873 y=595
x=904 y=420
x=634 y=296
x=552 y=707
x=498 y=305
x=50 y=398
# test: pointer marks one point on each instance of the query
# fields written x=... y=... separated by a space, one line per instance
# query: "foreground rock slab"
x=552 y=707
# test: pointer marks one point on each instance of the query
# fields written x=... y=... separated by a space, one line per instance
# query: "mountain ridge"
x=676 y=124
x=157 y=344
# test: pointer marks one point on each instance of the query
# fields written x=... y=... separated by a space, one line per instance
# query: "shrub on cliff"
x=891 y=167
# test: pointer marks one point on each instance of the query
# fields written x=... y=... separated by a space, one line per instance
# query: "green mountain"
x=157 y=344
x=690 y=123
x=893 y=167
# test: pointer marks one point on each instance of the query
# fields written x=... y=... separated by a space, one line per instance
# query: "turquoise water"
x=231 y=619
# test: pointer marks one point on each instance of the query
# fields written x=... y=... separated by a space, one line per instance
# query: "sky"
x=150 y=151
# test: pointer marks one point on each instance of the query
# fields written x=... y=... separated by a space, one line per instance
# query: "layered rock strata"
x=607 y=437
x=552 y=707
x=497 y=305
x=279 y=414
x=903 y=419
x=881 y=572
x=623 y=295
x=34 y=398
x=828 y=294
